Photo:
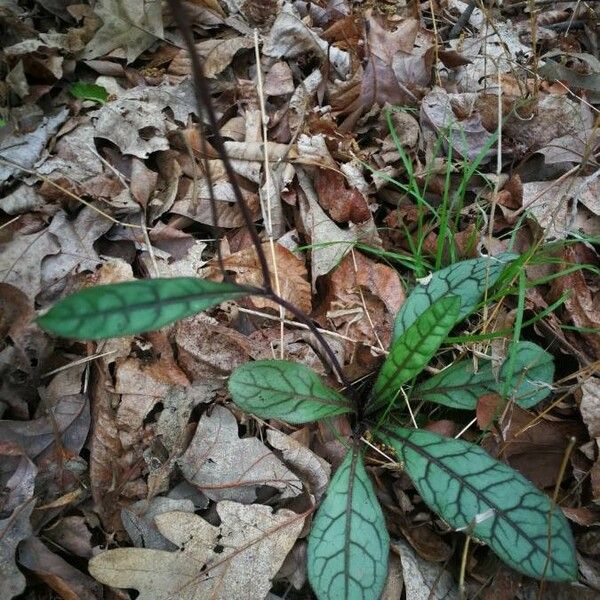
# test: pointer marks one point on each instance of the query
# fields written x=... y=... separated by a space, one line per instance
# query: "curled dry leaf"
x=329 y=242
x=582 y=305
x=237 y=559
x=17 y=477
x=226 y=467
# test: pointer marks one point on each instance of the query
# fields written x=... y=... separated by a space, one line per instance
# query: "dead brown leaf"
x=57 y=573
x=343 y=203
x=291 y=273
x=367 y=318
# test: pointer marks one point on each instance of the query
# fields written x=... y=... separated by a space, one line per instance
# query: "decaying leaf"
x=291 y=272
x=290 y=37
x=315 y=469
x=13 y=529
x=57 y=573
x=132 y=26
x=235 y=560
x=226 y=467
x=329 y=242
x=423 y=580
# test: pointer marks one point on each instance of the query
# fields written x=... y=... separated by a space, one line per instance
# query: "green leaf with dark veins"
x=467 y=279
x=460 y=387
x=285 y=390
x=474 y=492
x=348 y=544
x=120 y=309
x=411 y=353
x=89 y=91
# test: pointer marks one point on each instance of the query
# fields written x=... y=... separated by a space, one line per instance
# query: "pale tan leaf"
x=590 y=406
x=218 y=53
x=312 y=467
x=238 y=559
x=226 y=467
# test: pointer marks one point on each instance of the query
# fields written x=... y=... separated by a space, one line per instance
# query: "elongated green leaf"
x=414 y=349
x=459 y=386
x=348 y=544
x=89 y=91
x=470 y=490
x=467 y=279
x=132 y=307
x=281 y=389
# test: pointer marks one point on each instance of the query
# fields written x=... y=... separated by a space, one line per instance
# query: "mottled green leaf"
x=348 y=544
x=459 y=386
x=467 y=279
x=89 y=91
x=411 y=353
x=472 y=491
x=281 y=389
x=132 y=307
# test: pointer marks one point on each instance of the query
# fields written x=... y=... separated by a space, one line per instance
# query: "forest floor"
x=374 y=143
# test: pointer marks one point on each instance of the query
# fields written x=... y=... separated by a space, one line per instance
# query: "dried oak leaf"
x=217 y=54
x=378 y=83
x=291 y=272
x=237 y=559
x=13 y=529
x=226 y=467
x=130 y=26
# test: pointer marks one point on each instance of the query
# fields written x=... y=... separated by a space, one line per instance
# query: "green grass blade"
x=132 y=307
x=348 y=544
x=409 y=354
x=467 y=279
x=460 y=387
x=470 y=490
x=281 y=389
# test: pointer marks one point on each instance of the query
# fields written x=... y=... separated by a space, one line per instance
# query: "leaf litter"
x=117 y=444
